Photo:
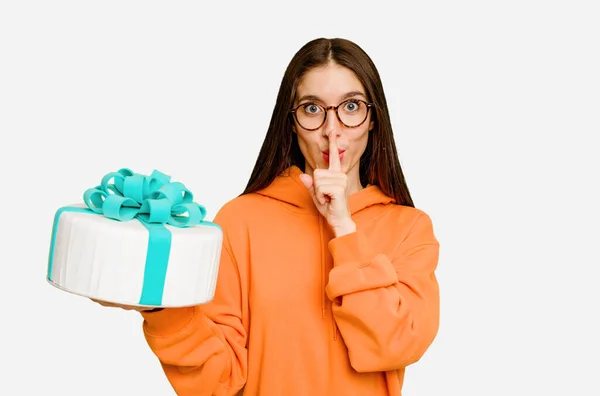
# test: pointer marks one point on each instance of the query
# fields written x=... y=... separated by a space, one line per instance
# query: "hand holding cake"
x=122 y=306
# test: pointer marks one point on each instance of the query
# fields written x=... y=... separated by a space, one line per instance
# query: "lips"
x=340 y=151
x=326 y=155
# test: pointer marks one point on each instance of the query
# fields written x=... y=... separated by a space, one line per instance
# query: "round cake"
x=140 y=241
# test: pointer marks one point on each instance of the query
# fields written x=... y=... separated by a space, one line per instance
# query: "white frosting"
x=105 y=259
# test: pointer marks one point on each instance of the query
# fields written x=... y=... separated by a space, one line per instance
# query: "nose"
x=332 y=124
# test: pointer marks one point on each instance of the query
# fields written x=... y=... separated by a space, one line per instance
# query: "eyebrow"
x=346 y=96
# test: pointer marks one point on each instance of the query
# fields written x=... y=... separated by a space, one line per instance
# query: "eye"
x=351 y=106
x=311 y=108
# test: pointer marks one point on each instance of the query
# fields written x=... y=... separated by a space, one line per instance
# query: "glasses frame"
x=326 y=110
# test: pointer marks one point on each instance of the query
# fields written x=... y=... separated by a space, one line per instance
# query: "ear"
x=371 y=125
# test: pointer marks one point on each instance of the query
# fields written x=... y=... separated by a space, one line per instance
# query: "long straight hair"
x=379 y=164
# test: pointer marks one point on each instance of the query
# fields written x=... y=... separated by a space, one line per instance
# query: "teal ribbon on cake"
x=153 y=200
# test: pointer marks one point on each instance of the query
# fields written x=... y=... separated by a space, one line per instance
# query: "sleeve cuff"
x=167 y=321
x=356 y=267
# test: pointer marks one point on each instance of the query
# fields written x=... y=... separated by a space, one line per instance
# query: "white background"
x=495 y=106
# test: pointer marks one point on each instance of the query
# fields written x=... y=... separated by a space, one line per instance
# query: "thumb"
x=307 y=180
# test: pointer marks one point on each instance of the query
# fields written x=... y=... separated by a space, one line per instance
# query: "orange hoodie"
x=298 y=312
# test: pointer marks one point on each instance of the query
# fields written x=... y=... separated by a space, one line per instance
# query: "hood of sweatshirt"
x=288 y=189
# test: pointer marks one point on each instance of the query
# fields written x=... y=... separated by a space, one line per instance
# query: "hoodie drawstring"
x=323 y=275
x=322 y=290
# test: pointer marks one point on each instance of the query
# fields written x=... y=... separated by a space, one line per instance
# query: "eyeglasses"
x=352 y=113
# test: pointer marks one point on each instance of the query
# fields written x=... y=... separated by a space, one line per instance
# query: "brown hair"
x=379 y=164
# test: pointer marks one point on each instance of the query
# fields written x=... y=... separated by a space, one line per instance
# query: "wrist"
x=347 y=227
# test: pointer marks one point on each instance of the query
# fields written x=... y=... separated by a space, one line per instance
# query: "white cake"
x=130 y=259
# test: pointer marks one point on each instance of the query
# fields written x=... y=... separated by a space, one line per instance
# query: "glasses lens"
x=310 y=115
x=353 y=112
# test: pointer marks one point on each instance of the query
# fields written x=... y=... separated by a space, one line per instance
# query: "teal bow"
x=151 y=199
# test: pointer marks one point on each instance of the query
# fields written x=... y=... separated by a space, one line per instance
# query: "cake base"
x=131 y=262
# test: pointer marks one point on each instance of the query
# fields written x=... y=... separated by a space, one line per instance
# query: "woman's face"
x=329 y=86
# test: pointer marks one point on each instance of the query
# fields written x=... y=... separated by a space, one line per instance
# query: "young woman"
x=326 y=283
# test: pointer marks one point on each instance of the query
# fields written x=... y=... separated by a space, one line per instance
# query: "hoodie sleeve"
x=386 y=308
x=202 y=349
